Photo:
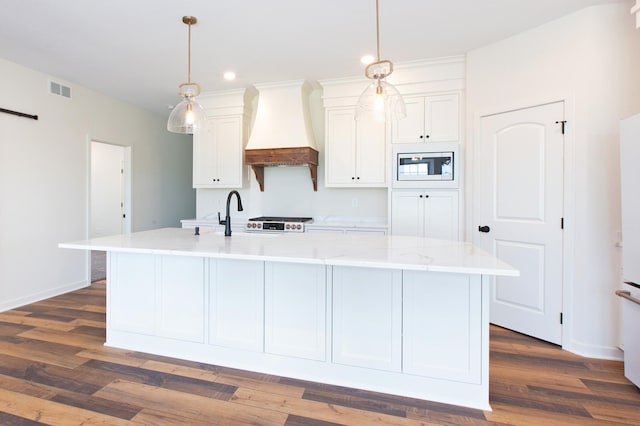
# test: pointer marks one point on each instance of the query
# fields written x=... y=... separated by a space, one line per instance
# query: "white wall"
x=44 y=167
x=288 y=191
x=592 y=60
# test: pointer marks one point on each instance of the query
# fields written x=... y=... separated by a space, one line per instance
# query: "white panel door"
x=367 y=317
x=452 y=352
x=236 y=304
x=295 y=310
x=181 y=298
x=520 y=210
x=107 y=189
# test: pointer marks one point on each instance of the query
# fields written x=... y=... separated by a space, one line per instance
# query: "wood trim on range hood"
x=259 y=158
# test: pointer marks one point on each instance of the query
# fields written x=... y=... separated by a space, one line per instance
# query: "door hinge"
x=561 y=318
x=563 y=122
x=562 y=223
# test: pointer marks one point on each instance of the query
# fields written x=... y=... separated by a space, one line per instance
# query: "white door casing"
x=521 y=202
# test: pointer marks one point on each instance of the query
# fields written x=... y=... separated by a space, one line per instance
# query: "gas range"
x=277 y=224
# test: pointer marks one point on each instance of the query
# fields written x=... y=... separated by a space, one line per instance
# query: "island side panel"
x=452 y=351
x=131 y=293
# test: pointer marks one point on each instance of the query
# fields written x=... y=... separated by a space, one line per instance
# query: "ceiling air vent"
x=59 y=89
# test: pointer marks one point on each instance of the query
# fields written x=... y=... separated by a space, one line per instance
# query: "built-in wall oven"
x=425 y=166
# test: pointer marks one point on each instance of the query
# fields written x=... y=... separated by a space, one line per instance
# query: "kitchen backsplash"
x=288 y=192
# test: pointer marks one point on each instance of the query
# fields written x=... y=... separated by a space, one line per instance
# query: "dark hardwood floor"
x=55 y=370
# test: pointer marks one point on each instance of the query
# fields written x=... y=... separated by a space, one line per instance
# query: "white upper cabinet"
x=217 y=154
x=218 y=146
x=355 y=150
x=429 y=119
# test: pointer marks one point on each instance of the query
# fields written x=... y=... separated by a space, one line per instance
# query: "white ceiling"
x=136 y=50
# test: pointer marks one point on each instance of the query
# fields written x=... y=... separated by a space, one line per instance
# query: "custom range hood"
x=281 y=134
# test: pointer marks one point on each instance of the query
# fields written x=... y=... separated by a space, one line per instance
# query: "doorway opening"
x=109 y=197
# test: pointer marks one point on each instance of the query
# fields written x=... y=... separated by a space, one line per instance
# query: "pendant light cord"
x=377 y=32
x=189 y=55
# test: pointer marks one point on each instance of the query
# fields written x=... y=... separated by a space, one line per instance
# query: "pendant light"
x=188 y=115
x=380 y=100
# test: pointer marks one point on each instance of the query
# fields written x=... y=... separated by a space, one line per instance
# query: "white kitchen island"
x=400 y=315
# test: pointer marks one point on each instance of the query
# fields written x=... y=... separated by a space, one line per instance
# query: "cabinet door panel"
x=228 y=137
x=181 y=298
x=452 y=352
x=204 y=155
x=340 y=147
x=407 y=213
x=367 y=317
x=295 y=310
x=441 y=215
x=371 y=152
x=131 y=288
x=411 y=128
x=442 y=118
x=236 y=304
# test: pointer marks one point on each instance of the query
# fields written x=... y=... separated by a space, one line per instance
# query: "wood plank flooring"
x=55 y=370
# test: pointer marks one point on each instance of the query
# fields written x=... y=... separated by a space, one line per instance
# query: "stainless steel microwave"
x=424 y=168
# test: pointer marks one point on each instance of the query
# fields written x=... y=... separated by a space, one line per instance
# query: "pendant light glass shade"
x=380 y=100
x=188 y=115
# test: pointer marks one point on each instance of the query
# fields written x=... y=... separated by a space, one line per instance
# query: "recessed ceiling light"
x=367 y=59
x=229 y=75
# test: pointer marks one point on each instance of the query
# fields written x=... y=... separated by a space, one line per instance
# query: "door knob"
x=484 y=228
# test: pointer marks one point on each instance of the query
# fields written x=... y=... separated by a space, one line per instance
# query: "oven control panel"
x=259 y=224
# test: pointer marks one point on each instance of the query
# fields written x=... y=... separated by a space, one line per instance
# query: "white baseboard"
x=32 y=298
x=592 y=351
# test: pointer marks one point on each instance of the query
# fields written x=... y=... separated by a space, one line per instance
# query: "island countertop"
x=371 y=251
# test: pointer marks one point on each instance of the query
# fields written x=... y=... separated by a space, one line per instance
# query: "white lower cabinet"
x=413 y=333
x=452 y=352
x=295 y=310
x=236 y=304
x=367 y=317
x=425 y=213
